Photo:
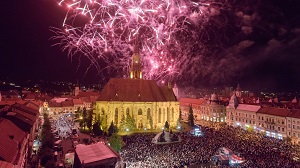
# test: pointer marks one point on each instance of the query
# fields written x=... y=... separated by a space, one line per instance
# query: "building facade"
x=212 y=112
x=293 y=126
x=19 y=123
x=272 y=121
x=149 y=104
x=185 y=104
x=241 y=115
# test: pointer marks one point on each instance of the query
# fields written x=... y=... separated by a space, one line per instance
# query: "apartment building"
x=185 y=103
x=272 y=121
x=212 y=111
x=293 y=126
x=207 y=111
x=244 y=116
x=18 y=124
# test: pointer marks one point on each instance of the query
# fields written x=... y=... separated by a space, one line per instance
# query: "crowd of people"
x=257 y=150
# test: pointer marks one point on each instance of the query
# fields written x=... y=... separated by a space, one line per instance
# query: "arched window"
x=116 y=115
x=102 y=111
x=148 y=114
x=159 y=115
x=172 y=114
x=140 y=112
x=127 y=111
x=168 y=114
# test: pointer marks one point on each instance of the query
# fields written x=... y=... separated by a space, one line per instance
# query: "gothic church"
x=144 y=100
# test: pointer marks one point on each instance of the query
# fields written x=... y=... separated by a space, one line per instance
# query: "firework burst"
x=172 y=33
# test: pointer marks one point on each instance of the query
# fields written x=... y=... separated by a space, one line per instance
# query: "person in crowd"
x=257 y=150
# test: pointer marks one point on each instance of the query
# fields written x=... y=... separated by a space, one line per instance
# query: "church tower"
x=175 y=90
x=238 y=91
x=136 y=66
x=77 y=90
x=233 y=102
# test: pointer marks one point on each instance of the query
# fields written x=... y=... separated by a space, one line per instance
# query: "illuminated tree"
x=116 y=142
x=127 y=123
x=191 y=117
x=96 y=126
x=112 y=129
x=103 y=122
x=89 y=119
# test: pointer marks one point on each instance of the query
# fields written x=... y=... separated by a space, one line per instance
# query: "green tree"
x=111 y=129
x=97 y=118
x=116 y=142
x=127 y=123
x=84 y=117
x=103 y=122
x=47 y=139
x=179 y=118
x=45 y=155
x=96 y=126
x=131 y=124
x=46 y=135
x=89 y=120
x=123 y=124
x=81 y=123
x=191 y=117
x=78 y=112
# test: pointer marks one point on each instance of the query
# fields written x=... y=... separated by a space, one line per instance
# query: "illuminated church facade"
x=149 y=104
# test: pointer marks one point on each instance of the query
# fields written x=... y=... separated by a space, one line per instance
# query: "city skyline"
x=260 y=52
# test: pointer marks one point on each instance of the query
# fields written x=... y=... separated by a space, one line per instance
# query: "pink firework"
x=170 y=33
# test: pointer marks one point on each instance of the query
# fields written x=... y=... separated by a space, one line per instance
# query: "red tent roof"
x=97 y=152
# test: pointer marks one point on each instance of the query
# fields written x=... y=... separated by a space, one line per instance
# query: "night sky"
x=265 y=56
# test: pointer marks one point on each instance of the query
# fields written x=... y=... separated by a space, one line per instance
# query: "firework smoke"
x=211 y=40
x=172 y=33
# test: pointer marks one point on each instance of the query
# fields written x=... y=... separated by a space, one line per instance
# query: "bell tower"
x=136 y=67
x=77 y=89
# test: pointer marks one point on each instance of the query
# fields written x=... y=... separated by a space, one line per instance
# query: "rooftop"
x=135 y=90
x=94 y=152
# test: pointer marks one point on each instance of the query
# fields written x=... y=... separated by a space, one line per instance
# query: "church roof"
x=135 y=90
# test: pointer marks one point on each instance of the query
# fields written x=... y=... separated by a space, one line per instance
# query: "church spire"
x=136 y=67
x=136 y=46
